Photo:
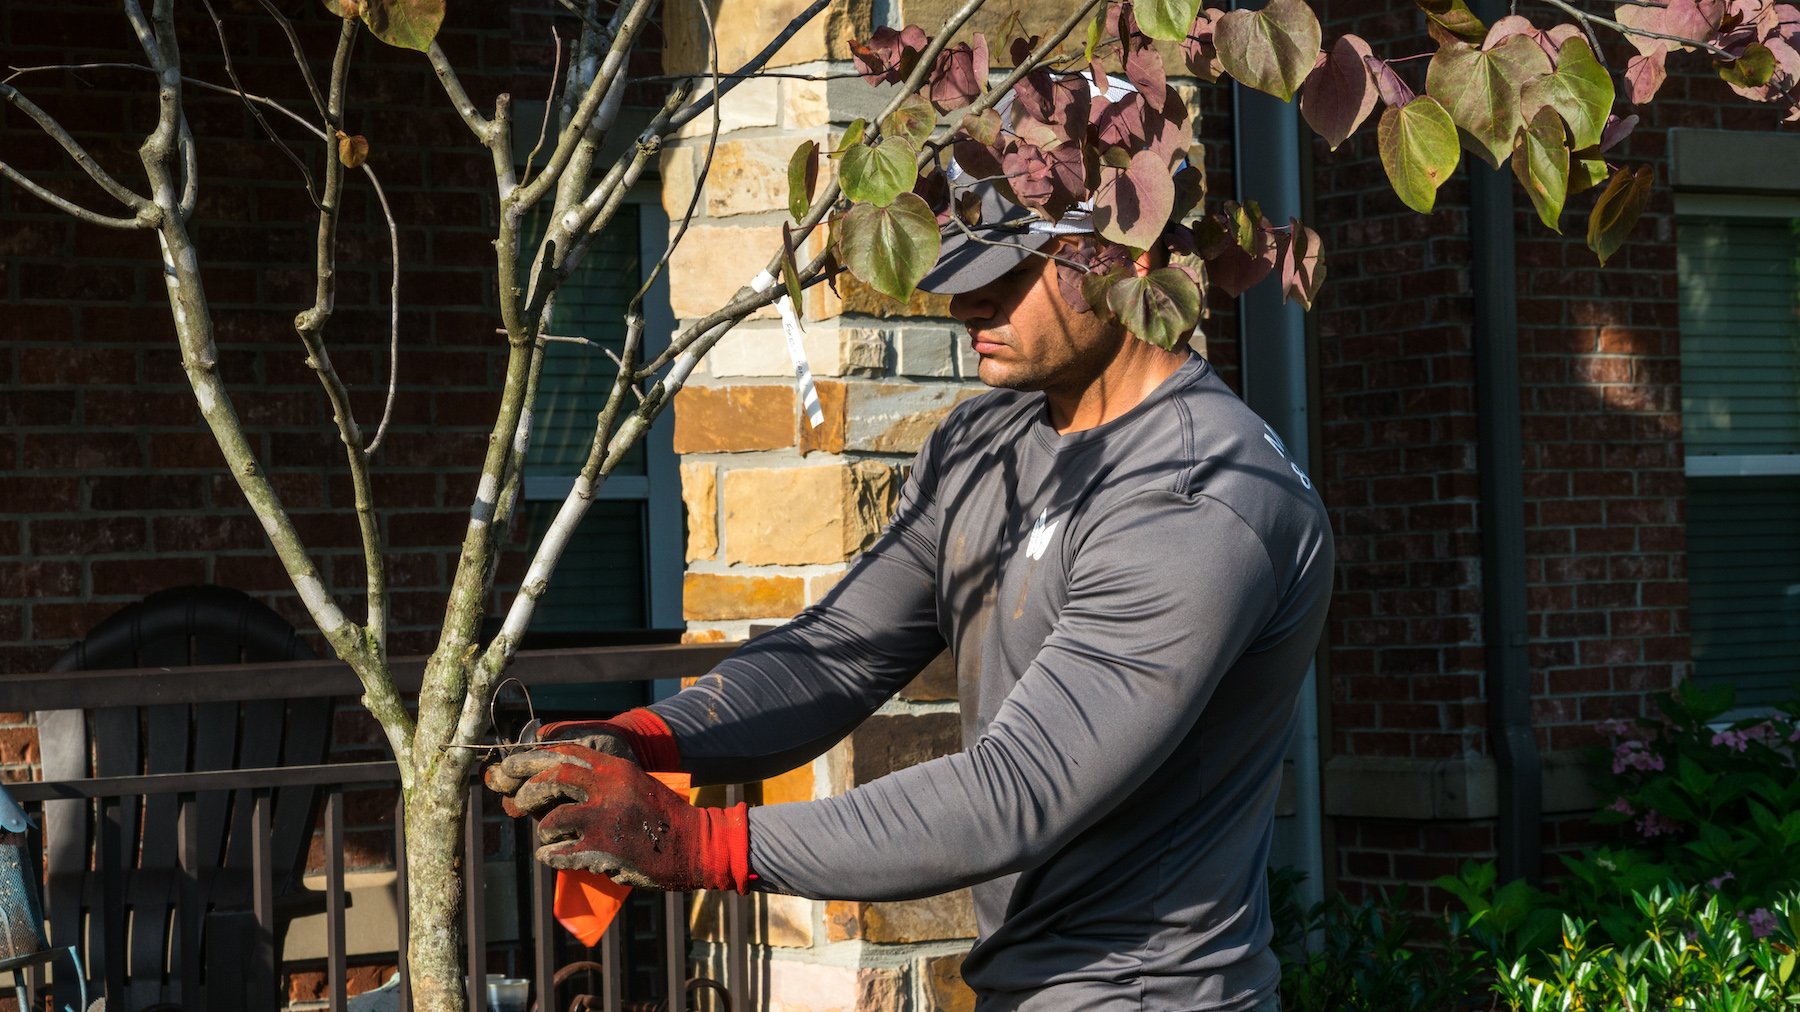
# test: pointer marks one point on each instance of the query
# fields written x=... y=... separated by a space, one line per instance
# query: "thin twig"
x=586 y=19
x=549 y=103
x=712 y=145
x=68 y=206
x=742 y=75
x=1623 y=29
x=117 y=190
x=387 y=409
x=964 y=228
x=293 y=37
x=231 y=72
x=752 y=65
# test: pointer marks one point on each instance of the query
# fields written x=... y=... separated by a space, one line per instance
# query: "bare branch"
x=69 y=207
x=46 y=122
x=479 y=125
x=752 y=65
x=586 y=18
x=1588 y=21
x=549 y=103
x=387 y=409
x=293 y=37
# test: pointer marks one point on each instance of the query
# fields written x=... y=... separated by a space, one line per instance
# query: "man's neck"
x=1132 y=375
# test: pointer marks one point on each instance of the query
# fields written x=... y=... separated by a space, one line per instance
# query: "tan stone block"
x=897 y=417
x=829 y=435
x=700 y=500
x=760 y=350
x=744 y=28
x=755 y=102
x=884 y=744
x=677 y=174
x=735 y=418
x=856 y=297
x=863 y=351
x=701 y=636
x=794 y=785
x=935 y=918
x=881 y=990
x=805 y=515
x=818 y=586
x=944 y=987
x=749 y=176
x=1034 y=19
x=713 y=262
x=937 y=682
x=717 y=596
x=804 y=105
x=781 y=921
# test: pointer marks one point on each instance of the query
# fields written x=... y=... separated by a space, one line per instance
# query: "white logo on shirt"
x=1281 y=448
x=1040 y=536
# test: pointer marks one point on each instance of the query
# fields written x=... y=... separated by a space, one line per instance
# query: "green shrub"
x=1699 y=911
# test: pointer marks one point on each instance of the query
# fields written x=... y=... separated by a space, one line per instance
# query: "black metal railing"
x=113 y=799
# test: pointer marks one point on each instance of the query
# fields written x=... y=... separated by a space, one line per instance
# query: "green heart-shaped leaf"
x=1454 y=17
x=1751 y=70
x=876 y=174
x=1480 y=88
x=408 y=24
x=1159 y=307
x=890 y=247
x=1620 y=206
x=913 y=120
x=1580 y=90
x=1418 y=149
x=803 y=175
x=1167 y=20
x=1541 y=163
x=1271 y=50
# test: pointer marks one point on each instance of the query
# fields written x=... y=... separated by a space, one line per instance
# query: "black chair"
x=202 y=625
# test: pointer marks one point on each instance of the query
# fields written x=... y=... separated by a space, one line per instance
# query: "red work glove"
x=639 y=735
x=603 y=814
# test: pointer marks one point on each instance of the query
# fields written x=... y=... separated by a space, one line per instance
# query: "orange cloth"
x=585 y=903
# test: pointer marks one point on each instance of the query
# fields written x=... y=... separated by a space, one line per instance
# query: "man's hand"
x=603 y=814
x=638 y=735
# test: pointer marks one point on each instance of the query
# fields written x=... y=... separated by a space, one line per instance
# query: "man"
x=1131 y=576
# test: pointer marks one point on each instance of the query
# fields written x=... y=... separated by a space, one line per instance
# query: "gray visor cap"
x=973 y=258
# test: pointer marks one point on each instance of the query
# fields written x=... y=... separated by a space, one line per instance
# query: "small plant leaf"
x=1133 y=204
x=1644 y=75
x=803 y=176
x=1158 y=307
x=890 y=247
x=1541 y=163
x=853 y=135
x=1618 y=209
x=406 y=24
x=913 y=120
x=1340 y=93
x=1167 y=20
x=352 y=149
x=1481 y=89
x=790 y=272
x=1419 y=150
x=1751 y=70
x=1300 y=256
x=1579 y=89
x=1454 y=17
x=878 y=173
x=1271 y=50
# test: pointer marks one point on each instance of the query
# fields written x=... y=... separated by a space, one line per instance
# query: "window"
x=1739 y=264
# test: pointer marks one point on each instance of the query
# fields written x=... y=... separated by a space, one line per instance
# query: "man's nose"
x=970 y=306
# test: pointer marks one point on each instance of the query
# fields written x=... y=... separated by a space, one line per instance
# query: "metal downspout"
x=1499 y=458
x=1273 y=354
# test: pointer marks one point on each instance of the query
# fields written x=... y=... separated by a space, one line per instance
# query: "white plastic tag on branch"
x=790 y=328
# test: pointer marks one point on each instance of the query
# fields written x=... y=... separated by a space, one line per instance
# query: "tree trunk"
x=434 y=895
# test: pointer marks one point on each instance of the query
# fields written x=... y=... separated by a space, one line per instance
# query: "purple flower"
x=1654 y=824
x=1635 y=755
x=1614 y=727
x=1720 y=880
x=1622 y=806
x=1762 y=923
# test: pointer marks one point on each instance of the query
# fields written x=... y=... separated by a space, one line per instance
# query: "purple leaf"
x=1394 y=92
x=889 y=55
x=1198 y=51
x=1049 y=181
x=1340 y=93
x=977 y=159
x=1302 y=261
x=1144 y=69
x=958 y=73
x=1617 y=129
x=1644 y=74
x=1132 y=205
x=1121 y=123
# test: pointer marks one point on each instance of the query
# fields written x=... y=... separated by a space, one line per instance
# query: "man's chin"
x=1001 y=376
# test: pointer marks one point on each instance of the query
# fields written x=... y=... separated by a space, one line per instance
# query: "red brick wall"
x=114 y=488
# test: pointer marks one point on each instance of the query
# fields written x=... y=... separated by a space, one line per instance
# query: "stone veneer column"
x=776 y=509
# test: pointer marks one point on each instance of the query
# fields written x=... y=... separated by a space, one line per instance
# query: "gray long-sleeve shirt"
x=1132 y=609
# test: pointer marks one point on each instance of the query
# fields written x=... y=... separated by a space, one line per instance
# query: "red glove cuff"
x=650 y=739
x=725 y=847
